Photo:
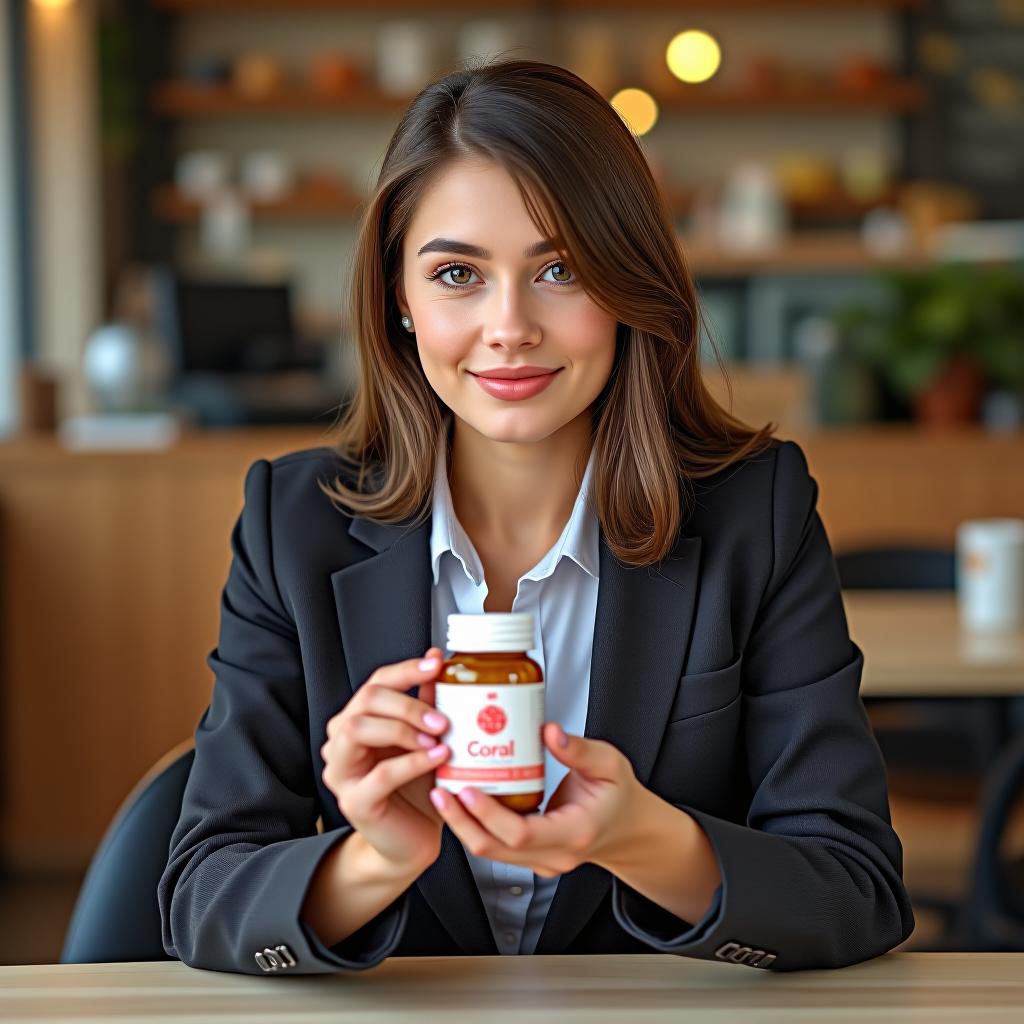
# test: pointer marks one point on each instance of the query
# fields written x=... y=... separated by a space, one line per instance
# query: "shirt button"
x=516 y=890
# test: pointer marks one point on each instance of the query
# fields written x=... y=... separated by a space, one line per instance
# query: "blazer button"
x=265 y=964
x=287 y=959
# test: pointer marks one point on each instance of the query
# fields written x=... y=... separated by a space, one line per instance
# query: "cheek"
x=440 y=342
x=591 y=342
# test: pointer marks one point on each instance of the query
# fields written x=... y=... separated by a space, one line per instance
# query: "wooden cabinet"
x=112 y=568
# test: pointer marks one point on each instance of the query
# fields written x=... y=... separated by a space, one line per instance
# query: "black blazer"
x=726 y=674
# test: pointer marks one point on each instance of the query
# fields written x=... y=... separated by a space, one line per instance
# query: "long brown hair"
x=586 y=183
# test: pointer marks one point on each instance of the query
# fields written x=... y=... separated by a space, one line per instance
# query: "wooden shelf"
x=169 y=205
x=427 y=6
x=811 y=252
x=183 y=99
x=803 y=252
x=897 y=95
x=833 y=206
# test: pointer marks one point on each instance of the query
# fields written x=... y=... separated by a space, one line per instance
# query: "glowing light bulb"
x=693 y=56
x=637 y=108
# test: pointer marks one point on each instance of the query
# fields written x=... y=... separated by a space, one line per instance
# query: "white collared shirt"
x=561 y=592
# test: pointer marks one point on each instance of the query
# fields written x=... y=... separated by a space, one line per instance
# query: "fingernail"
x=424 y=740
x=438 y=751
x=561 y=738
x=434 y=720
x=437 y=799
x=467 y=796
x=428 y=664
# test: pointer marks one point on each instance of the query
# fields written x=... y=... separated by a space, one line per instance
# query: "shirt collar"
x=578 y=540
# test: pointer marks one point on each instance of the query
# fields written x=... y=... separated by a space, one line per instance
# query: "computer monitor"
x=224 y=325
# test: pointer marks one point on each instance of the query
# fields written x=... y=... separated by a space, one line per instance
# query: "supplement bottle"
x=493 y=696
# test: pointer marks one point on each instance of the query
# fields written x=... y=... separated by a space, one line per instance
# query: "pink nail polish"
x=439 y=751
x=437 y=799
x=467 y=796
x=434 y=721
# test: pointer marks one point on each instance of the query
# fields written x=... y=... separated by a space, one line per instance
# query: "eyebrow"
x=545 y=245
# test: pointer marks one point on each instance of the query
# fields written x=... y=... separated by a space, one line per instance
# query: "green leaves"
x=931 y=314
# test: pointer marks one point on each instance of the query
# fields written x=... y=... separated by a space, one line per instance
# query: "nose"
x=509 y=324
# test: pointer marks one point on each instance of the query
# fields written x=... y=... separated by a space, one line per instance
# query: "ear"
x=403 y=306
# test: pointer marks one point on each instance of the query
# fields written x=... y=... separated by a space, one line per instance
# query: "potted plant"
x=940 y=334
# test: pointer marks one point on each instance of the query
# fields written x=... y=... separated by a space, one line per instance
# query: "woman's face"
x=508 y=305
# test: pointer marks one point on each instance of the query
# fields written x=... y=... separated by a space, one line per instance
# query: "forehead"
x=474 y=200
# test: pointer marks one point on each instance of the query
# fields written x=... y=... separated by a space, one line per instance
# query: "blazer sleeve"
x=245 y=846
x=814 y=876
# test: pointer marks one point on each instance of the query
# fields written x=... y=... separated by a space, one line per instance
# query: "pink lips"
x=516 y=389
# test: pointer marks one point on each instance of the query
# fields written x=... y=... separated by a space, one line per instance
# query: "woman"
x=713 y=786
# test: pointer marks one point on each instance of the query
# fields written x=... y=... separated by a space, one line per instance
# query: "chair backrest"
x=897 y=568
x=116 y=915
x=994 y=910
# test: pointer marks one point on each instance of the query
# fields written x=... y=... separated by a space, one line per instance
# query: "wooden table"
x=914 y=647
x=593 y=989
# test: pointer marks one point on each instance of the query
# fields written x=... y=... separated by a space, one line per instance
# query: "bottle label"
x=494 y=737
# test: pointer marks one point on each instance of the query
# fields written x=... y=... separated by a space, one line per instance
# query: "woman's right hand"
x=379 y=758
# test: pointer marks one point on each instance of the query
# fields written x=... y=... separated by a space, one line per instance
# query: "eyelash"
x=435 y=276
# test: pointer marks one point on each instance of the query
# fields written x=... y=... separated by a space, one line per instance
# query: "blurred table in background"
x=914 y=647
x=113 y=565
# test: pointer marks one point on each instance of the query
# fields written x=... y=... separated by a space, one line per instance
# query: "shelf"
x=169 y=205
x=429 y=7
x=819 y=252
x=898 y=95
x=802 y=252
x=183 y=99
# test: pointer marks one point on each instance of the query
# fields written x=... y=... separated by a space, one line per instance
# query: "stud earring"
x=407 y=323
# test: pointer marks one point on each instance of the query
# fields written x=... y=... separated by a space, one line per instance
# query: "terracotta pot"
x=954 y=396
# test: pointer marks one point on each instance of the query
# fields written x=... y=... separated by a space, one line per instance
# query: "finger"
x=390 y=704
x=512 y=829
x=541 y=834
x=404 y=674
x=370 y=794
x=594 y=759
x=428 y=693
x=473 y=835
x=373 y=731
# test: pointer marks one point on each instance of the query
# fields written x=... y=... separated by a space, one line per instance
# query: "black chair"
x=931 y=744
x=116 y=917
x=934 y=747
x=897 y=568
x=992 y=917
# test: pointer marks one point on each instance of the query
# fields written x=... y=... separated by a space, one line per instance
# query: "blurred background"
x=180 y=182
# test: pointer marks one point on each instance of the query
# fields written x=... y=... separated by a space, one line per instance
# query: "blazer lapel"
x=384 y=607
x=641 y=638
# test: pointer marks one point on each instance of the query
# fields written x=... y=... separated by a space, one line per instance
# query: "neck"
x=517 y=493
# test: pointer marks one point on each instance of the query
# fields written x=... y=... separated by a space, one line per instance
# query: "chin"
x=516 y=425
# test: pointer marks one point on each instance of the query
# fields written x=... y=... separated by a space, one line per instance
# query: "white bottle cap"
x=491 y=631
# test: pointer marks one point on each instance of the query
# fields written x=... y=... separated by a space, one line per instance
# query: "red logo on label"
x=491 y=719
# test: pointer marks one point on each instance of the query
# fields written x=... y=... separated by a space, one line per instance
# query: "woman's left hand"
x=590 y=817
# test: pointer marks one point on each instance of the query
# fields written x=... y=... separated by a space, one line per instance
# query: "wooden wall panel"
x=112 y=567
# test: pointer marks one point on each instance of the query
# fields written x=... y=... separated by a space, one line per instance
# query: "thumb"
x=588 y=756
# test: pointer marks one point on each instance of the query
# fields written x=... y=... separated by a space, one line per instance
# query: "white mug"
x=990 y=573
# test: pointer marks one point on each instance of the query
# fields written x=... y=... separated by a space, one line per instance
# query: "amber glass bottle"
x=493 y=695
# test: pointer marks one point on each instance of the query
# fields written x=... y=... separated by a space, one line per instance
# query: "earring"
x=407 y=323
